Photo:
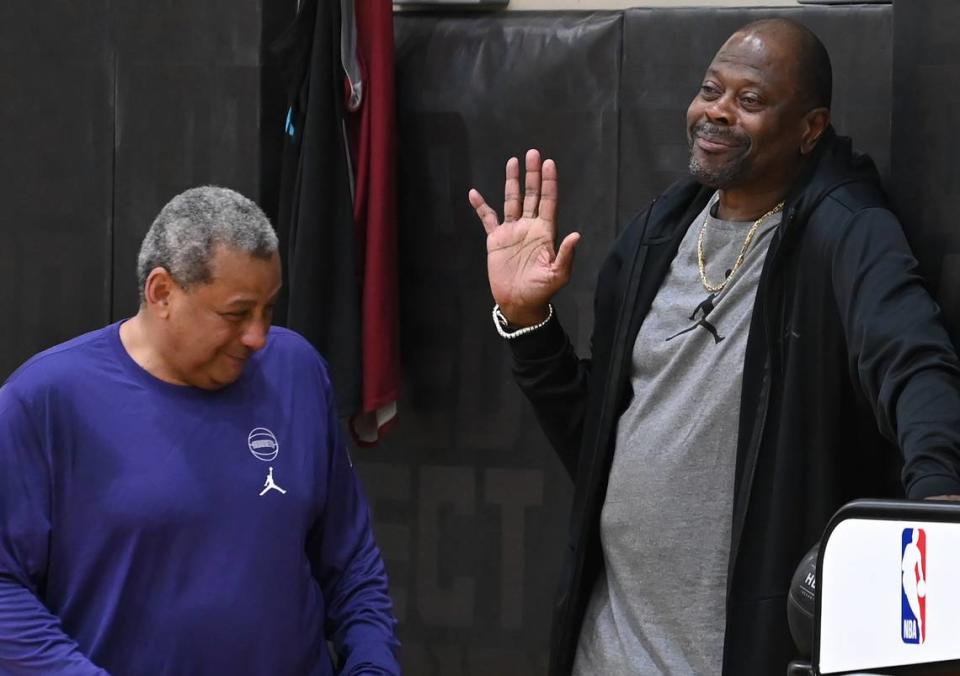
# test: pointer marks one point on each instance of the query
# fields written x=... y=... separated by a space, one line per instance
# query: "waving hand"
x=524 y=268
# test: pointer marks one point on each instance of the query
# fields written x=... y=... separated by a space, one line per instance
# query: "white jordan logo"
x=269 y=483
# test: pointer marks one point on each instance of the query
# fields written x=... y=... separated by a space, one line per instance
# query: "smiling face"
x=211 y=329
x=747 y=123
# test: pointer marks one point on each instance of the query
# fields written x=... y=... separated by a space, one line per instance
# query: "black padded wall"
x=56 y=144
x=110 y=108
x=470 y=504
x=188 y=99
x=926 y=116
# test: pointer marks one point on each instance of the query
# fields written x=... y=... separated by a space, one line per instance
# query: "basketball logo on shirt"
x=263 y=444
x=703 y=309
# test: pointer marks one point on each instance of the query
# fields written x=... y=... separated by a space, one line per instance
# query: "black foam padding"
x=474 y=91
x=476 y=583
x=179 y=125
x=926 y=182
x=56 y=132
x=188 y=94
x=225 y=32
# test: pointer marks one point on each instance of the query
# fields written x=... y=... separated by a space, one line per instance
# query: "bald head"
x=802 y=50
x=761 y=109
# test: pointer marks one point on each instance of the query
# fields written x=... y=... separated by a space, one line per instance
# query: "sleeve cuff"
x=545 y=341
x=378 y=659
x=933 y=484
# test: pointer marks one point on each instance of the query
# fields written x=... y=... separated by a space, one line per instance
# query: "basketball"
x=263 y=444
x=921 y=588
x=801 y=601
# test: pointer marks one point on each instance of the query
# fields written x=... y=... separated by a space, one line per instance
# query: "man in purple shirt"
x=175 y=495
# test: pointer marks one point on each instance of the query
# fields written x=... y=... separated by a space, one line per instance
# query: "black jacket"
x=846 y=363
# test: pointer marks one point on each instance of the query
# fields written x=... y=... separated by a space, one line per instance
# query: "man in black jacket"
x=763 y=351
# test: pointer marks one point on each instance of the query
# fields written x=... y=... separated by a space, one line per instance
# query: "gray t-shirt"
x=658 y=605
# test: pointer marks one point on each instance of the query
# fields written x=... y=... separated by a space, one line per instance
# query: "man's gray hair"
x=184 y=235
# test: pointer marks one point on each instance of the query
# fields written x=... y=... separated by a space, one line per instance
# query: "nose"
x=255 y=334
x=718 y=111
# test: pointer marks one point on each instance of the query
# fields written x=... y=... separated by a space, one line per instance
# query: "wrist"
x=521 y=318
x=508 y=331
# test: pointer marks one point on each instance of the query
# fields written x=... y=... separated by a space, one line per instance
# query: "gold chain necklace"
x=701 y=263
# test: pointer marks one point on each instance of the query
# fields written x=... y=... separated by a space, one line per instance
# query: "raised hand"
x=524 y=269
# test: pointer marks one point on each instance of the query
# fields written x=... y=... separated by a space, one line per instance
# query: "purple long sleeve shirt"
x=150 y=528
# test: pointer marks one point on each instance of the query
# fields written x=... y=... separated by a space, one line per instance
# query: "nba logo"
x=913 y=585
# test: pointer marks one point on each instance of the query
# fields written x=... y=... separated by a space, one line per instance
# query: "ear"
x=815 y=123
x=158 y=289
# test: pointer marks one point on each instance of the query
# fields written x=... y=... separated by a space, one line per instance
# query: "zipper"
x=753 y=450
x=623 y=322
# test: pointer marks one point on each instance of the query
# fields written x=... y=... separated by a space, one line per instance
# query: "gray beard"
x=717 y=179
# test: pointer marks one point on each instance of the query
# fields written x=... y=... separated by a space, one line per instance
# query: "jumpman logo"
x=706 y=307
x=269 y=483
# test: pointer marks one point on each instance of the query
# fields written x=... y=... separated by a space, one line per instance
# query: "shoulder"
x=853 y=228
x=288 y=341
x=288 y=351
x=63 y=364
x=844 y=191
x=852 y=211
x=44 y=381
x=852 y=199
x=291 y=370
x=291 y=345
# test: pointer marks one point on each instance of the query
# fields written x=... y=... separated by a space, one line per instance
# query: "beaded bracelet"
x=501 y=323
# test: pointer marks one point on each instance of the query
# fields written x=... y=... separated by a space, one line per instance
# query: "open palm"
x=524 y=268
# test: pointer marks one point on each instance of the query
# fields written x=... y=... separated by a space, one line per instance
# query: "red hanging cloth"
x=375 y=216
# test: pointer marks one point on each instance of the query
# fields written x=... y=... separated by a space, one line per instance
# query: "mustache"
x=718 y=133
